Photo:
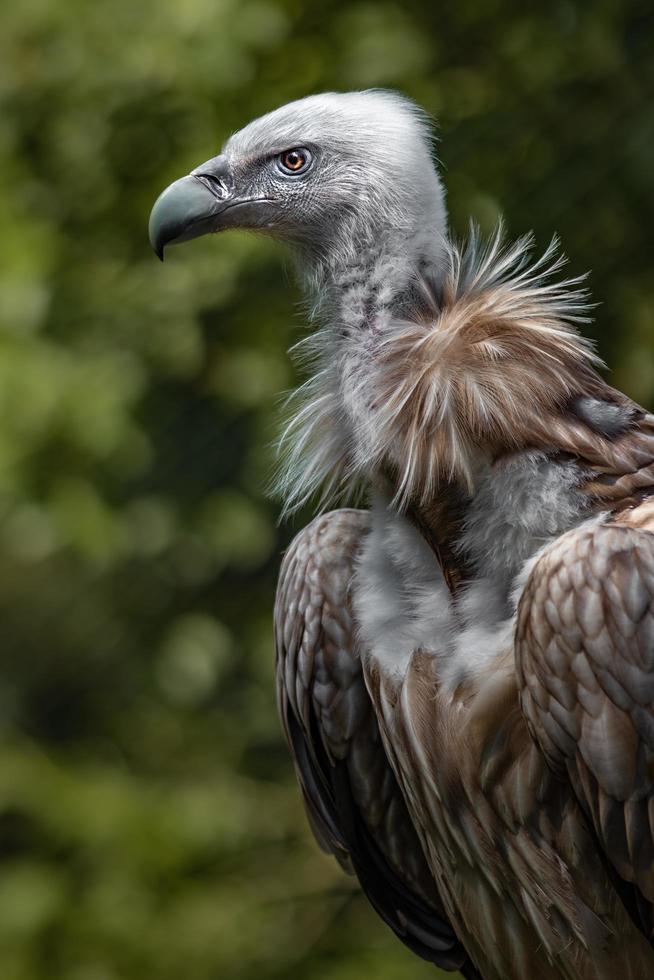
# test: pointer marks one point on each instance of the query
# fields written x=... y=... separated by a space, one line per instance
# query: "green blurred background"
x=149 y=821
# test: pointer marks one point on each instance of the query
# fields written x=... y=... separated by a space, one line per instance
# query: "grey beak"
x=191 y=206
x=205 y=201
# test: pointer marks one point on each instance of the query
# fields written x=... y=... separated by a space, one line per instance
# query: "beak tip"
x=158 y=240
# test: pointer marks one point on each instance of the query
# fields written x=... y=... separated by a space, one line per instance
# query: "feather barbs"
x=483 y=373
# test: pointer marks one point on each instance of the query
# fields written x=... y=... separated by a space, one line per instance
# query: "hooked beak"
x=205 y=201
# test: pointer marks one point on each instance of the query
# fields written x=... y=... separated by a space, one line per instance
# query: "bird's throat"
x=366 y=287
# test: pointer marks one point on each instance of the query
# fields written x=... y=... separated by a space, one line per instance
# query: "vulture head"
x=328 y=174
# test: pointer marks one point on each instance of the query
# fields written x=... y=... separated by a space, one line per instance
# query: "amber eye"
x=294 y=161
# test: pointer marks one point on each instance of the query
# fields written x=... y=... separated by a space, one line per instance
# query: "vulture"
x=465 y=659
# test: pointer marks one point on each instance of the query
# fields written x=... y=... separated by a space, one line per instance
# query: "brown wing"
x=353 y=801
x=585 y=659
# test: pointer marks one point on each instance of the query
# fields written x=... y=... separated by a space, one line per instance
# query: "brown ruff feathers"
x=486 y=372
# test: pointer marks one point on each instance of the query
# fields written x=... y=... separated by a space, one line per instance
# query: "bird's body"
x=465 y=669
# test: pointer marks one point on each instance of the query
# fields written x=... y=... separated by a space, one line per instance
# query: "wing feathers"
x=585 y=662
x=351 y=796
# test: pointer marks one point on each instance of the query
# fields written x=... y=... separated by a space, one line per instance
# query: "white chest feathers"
x=402 y=602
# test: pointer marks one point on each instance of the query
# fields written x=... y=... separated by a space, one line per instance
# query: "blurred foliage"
x=149 y=820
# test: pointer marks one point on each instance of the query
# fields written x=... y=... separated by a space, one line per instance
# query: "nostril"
x=218 y=186
x=217 y=168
